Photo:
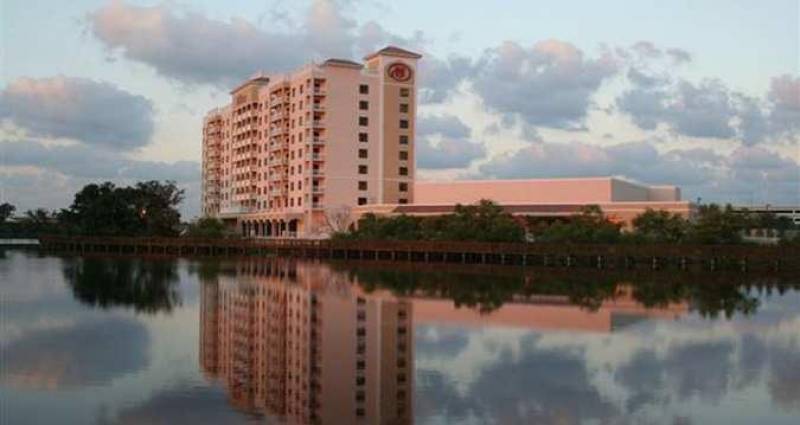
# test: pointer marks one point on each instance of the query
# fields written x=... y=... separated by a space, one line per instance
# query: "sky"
x=703 y=95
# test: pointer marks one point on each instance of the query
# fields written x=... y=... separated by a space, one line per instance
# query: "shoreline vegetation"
x=149 y=209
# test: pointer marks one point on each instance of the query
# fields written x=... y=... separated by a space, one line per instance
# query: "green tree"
x=590 y=225
x=207 y=227
x=147 y=209
x=660 y=226
x=6 y=211
x=485 y=222
x=716 y=225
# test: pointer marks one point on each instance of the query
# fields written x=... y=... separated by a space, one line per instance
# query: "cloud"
x=92 y=112
x=709 y=109
x=784 y=116
x=192 y=48
x=35 y=174
x=550 y=84
x=443 y=142
x=181 y=404
x=703 y=110
x=748 y=174
x=82 y=161
x=86 y=354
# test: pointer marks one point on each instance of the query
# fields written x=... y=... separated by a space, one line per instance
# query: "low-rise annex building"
x=293 y=154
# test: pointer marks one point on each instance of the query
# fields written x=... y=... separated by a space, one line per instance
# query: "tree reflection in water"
x=710 y=295
x=148 y=286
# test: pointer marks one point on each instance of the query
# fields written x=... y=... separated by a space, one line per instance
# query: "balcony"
x=318 y=142
x=317 y=172
x=314 y=157
x=318 y=189
x=320 y=91
x=317 y=107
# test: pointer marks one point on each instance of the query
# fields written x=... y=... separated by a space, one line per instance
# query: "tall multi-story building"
x=302 y=343
x=291 y=149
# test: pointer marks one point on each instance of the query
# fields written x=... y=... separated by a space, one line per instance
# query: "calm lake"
x=171 y=341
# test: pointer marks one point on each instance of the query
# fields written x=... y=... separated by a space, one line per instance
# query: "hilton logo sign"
x=399 y=71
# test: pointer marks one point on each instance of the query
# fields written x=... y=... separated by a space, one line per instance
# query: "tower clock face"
x=399 y=71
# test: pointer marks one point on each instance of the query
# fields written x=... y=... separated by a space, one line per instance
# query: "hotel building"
x=290 y=147
x=293 y=150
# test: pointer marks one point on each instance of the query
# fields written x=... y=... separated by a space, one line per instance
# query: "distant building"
x=291 y=151
x=791 y=212
x=620 y=200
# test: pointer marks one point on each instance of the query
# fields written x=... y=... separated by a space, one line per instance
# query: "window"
x=363 y=121
x=361 y=365
x=363 y=105
x=363 y=89
x=402 y=201
x=403 y=123
x=361 y=331
x=362 y=201
x=404 y=140
x=403 y=155
x=360 y=411
x=360 y=396
x=362 y=185
x=404 y=92
x=403 y=187
x=362 y=153
x=403 y=171
x=362 y=137
x=404 y=107
x=362 y=169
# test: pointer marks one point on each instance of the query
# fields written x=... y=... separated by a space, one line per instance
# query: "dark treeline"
x=146 y=286
x=145 y=209
x=487 y=222
x=726 y=296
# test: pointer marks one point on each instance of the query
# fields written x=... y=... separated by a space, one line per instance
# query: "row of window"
x=364 y=106
x=402 y=186
x=364 y=138
x=364 y=121
x=403 y=171
x=364 y=89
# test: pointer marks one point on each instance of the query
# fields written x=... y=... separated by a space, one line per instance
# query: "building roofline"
x=393 y=51
x=543 y=179
x=344 y=63
x=258 y=78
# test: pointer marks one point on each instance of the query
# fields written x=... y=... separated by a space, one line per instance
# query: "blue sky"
x=705 y=95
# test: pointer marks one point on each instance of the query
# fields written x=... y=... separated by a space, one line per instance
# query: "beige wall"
x=542 y=191
x=589 y=190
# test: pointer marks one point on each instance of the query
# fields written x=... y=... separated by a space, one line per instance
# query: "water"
x=129 y=341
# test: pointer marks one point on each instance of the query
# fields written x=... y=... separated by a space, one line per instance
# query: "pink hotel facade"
x=340 y=135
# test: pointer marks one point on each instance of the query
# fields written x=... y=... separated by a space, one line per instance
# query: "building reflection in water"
x=305 y=343
x=302 y=343
x=550 y=313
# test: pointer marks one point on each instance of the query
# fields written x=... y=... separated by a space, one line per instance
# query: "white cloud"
x=92 y=112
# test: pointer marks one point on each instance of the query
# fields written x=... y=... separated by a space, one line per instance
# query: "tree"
x=717 y=225
x=207 y=227
x=147 y=209
x=6 y=211
x=660 y=226
x=590 y=225
x=338 y=218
